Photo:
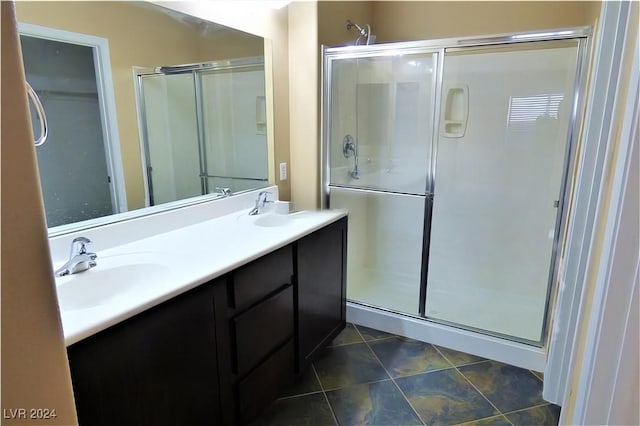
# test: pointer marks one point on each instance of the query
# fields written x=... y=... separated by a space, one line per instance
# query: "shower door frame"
x=196 y=71
x=582 y=36
x=378 y=51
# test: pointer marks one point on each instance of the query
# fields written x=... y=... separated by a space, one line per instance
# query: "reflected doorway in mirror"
x=79 y=168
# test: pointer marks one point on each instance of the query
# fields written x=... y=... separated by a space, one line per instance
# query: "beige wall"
x=304 y=107
x=138 y=36
x=332 y=20
x=229 y=44
x=420 y=20
x=592 y=12
x=279 y=43
x=35 y=372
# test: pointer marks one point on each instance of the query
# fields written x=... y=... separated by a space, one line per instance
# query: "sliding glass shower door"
x=381 y=126
x=171 y=142
x=501 y=151
x=235 y=127
x=203 y=127
x=453 y=158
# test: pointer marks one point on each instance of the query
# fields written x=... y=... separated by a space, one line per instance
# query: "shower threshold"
x=502 y=350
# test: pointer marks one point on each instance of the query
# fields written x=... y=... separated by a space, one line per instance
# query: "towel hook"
x=41 y=115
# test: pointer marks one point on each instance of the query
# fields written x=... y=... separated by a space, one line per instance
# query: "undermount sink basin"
x=114 y=277
x=271 y=220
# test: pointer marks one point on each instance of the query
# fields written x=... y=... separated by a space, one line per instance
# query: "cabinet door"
x=261 y=329
x=321 y=267
x=157 y=368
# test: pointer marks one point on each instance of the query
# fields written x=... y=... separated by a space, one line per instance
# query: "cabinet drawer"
x=254 y=281
x=262 y=328
x=262 y=386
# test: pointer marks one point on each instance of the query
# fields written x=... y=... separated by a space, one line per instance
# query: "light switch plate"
x=283 y=171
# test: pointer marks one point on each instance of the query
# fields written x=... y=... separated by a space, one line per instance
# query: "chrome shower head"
x=362 y=32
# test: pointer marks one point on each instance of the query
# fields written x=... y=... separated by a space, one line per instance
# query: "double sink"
x=120 y=275
x=140 y=274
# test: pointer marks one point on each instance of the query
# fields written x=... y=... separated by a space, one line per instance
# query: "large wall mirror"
x=148 y=109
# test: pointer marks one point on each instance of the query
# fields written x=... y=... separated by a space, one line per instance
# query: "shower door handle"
x=455 y=111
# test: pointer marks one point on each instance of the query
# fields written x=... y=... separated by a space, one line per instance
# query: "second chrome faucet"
x=263 y=199
x=79 y=259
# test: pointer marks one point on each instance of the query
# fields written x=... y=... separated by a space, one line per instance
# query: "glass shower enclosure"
x=453 y=159
x=203 y=126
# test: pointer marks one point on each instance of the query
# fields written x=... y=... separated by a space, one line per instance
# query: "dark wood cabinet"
x=157 y=368
x=252 y=282
x=321 y=291
x=220 y=353
x=261 y=387
x=261 y=329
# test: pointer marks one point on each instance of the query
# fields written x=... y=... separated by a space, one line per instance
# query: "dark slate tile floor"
x=369 y=377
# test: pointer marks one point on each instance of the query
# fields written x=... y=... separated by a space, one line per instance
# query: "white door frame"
x=608 y=371
x=592 y=343
x=106 y=100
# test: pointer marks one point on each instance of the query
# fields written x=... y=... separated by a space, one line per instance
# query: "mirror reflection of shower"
x=364 y=33
x=349 y=149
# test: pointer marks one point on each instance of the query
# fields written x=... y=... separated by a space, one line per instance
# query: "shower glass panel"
x=235 y=137
x=380 y=110
x=385 y=247
x=504 y=123
x=381 y=122
x=172 y=137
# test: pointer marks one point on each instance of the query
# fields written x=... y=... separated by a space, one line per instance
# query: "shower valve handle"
x=348 y=146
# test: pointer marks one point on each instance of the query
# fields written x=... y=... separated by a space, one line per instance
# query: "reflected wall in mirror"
x=93 y=164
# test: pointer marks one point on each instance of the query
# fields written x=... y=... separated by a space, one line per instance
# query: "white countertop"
x=176 y=261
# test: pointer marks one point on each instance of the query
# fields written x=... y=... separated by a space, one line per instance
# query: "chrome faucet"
x=263 y=198
x=225 y=192
x=79 y=259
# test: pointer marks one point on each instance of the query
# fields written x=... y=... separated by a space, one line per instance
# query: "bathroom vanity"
x=221 y=351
